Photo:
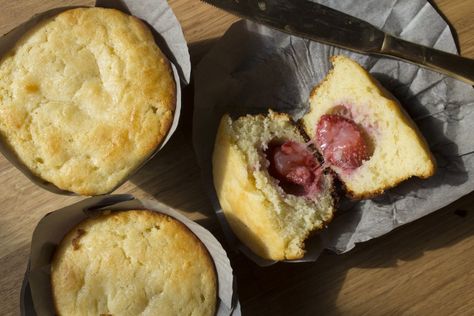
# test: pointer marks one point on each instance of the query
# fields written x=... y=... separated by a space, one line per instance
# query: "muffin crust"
x=85 y=98
x=135 y=262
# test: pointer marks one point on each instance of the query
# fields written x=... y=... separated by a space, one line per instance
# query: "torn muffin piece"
x=363 y=132
x=270 y=185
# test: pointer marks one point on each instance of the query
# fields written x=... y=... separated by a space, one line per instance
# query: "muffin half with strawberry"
x=363 y=133
x=270 y=184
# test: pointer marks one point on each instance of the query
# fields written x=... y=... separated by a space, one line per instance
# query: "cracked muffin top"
x=135 y=262
x=85 y=97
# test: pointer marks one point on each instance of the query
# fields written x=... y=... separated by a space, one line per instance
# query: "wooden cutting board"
x=424 y=268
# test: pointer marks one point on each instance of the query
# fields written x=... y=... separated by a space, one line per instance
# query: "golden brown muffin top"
x=133 y=262
x=85 y=97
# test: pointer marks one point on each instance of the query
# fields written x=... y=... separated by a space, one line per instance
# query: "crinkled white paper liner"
x=253 y=68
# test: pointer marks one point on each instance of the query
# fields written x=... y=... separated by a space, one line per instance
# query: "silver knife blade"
x=308 y=19
x=320 y=23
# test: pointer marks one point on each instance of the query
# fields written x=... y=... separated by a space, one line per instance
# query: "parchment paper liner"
x=169 y=37
x=36 y=290
x=253 y=68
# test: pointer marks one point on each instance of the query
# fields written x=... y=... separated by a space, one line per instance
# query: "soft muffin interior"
x=296 y=216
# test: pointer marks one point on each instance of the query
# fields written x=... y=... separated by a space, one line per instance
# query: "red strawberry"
x=341 y=141
x=295 y=168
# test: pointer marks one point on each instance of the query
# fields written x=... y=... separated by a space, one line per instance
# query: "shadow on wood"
x=331 y=284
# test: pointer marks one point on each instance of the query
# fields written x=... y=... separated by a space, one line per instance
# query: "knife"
x=320 y=23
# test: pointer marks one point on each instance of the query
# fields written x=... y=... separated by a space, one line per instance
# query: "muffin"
x=85 y=98
x=363 y=133
x=274 y=178
x=135 y=262
x=271 y=187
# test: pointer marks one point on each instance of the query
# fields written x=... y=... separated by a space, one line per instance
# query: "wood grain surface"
x=423 y=268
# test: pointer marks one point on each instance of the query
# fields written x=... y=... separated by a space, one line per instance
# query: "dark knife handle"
x=449 y=64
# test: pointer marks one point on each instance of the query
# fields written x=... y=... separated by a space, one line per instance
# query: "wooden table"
x=424 y=268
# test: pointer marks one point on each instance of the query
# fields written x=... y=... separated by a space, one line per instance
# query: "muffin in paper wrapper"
x=36 y=293
x=169 y=38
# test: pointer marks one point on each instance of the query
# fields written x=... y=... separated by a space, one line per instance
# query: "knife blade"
x=323 y=24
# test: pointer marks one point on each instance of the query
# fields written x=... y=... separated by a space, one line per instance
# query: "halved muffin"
x=270 y=185
x=363 y=132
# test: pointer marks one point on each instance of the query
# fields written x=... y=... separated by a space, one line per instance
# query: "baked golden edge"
x=165 y=122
